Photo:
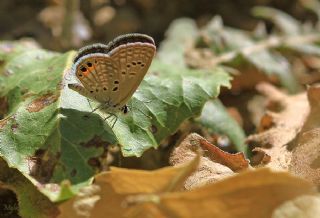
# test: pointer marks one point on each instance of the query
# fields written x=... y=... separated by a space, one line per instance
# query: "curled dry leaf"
x=278 y=128
x=249 y=194
x=109 y=195
x=215 y=164
x=306 y=153
x=137 y=193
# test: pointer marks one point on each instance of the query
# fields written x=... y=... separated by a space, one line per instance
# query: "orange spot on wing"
x=86 y=73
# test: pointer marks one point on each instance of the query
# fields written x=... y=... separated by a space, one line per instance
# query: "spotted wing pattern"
x=133 y=61
x=112 y=78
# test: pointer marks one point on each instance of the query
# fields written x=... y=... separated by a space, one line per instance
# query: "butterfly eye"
x=125 y=109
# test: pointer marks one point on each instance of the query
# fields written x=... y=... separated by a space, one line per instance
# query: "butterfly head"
x=125 y=109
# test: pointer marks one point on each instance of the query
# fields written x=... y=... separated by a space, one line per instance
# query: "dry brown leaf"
x=249 y=194
x=256 y=109
x=306 y=206
x=107 y=196
x=214 y=165
x=104 y=15
x=241 y=82
x=278 y=127
x=306 y=153
x=306 y=69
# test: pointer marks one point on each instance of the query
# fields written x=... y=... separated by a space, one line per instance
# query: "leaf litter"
x=205 y=180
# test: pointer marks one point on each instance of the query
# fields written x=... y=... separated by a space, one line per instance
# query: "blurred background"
x=68 y=24
x=277 y=43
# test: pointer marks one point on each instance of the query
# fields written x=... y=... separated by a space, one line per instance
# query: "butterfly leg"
x=112 y=115
x=92 y=109
x=114 y=123
x=89 y=102
x=87 y=115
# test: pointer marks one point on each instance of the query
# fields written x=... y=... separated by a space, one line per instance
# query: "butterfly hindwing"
x=96 y=72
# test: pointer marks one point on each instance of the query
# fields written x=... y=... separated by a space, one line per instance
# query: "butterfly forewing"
x=133 y=60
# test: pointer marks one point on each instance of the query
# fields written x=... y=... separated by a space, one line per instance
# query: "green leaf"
x=31 y=202
x=284 y=22
x=215 y=117
x=308 y=49
x=274 y=63
x=64 y=191
x=46 y=124
x=269 y=62
x=169 y=95
x=179 y=36
x=39 y=125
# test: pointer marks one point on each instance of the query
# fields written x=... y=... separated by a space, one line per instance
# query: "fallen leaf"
x=249 y=194
x=235 y=162
x=279 y=126
x=107 y=196
x=214 y=165
x=306 y=152
x=306 y=206
x=306 y=68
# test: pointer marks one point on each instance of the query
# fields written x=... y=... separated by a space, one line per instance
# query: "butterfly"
x=110 y=74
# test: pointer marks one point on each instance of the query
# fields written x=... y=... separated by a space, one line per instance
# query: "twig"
x=271 y=42
x=71 y=8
